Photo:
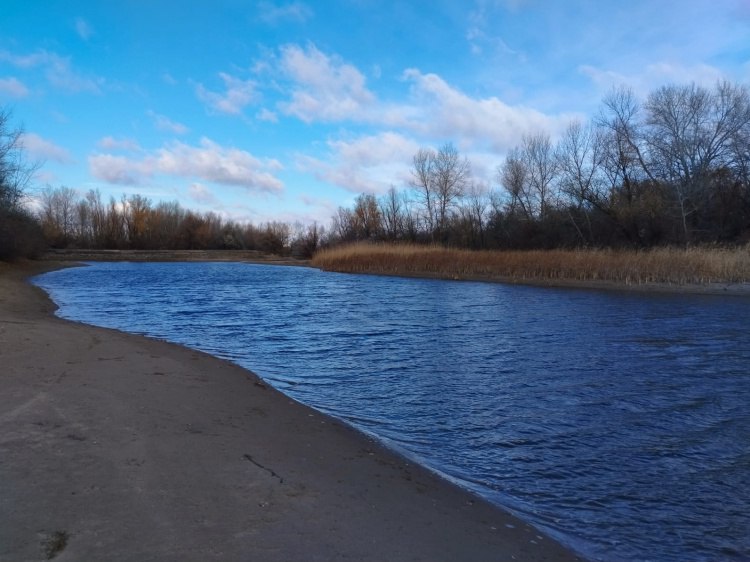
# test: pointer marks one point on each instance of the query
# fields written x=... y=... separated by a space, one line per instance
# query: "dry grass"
x=662 y=265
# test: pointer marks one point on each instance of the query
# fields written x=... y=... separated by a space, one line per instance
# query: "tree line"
x=134 y=222
x=672 y=170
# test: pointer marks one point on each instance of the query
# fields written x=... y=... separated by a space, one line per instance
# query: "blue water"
x=617 y=422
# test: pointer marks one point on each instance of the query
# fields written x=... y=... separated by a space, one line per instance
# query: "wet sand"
x=118 y=447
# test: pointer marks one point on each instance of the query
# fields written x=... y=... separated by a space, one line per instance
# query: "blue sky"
x=285 y=110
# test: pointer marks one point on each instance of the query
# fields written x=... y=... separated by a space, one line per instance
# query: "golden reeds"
x=659 y=265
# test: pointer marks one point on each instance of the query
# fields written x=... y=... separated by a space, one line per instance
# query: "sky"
x=287 y=109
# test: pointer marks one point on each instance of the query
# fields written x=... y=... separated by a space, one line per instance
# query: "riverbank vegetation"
x=676 y=266
x=669 y=171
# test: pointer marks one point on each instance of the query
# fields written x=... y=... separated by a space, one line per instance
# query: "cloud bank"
x=208 y=162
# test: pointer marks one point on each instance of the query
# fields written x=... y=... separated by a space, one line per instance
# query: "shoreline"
x=245 y=256
x=120 y=447
x=663 y=270
x=711 y=289
x=252 y=256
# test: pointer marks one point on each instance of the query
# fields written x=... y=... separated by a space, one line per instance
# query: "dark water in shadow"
x=618 y=422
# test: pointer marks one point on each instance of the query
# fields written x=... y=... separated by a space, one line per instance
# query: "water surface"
x=616 y=422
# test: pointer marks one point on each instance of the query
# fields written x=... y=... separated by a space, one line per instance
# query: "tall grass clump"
x=629 y=267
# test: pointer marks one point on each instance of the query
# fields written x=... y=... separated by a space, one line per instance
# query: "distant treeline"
x=673 y=170
x=135 y=223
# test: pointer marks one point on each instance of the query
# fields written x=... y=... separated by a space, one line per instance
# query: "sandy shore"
x=117 y=447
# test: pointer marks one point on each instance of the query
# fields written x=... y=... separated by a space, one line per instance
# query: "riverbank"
x=695 y=270
x=118 y=447
x=250 y=256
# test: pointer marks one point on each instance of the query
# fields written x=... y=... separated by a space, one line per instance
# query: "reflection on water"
x=617 y=422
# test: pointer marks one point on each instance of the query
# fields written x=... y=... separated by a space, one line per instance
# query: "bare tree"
x=15 y=171
x=137 y=214
x=59 y=214
x=693 y=131
x=83 y=227
x=579 y=155
x=275 y=237
x=474 y=212
x=367 y=218
x=452 y=175
x=625 y=166
x=97 y=216
x=740 y=149
x=391 y=211
x=423 y=178
x=342 y=225
x=512 y=175
x=410 y=218
x=528 y=174
x=621 y=118
x=165 y=223
x=115 y=226
x=440 y=179
x=306 y=239
x=541 y=167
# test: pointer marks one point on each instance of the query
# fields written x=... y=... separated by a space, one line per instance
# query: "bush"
x=20 y=235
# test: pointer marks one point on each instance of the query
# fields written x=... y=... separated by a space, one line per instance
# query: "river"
x=617 y=422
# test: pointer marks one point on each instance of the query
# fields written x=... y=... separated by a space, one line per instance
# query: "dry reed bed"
x=662 y=265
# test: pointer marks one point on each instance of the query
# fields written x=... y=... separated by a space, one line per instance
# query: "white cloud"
x=117 y=169
x=267 y=115
x=57 y=70
x=310 y=201
x=369 y=164
x=293 y=11
x=43 y=149
x=239 y=93
x=111 y=143
x=201 y=194
x=326 y=88
x=83 y=29
x=653 y=76
x=27 y=61
x=208 y=162
x=443 y=112
x=163 y=123
x=316 y=210
x=13 y=87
